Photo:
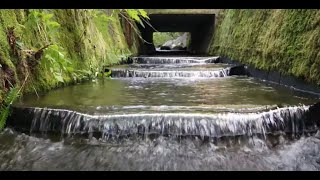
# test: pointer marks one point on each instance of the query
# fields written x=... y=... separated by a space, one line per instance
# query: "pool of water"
x=168 y=92
x=183 y=122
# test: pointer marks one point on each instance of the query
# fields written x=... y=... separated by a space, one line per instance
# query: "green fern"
x=5 y=108
x=4 y=113
x=12 y=95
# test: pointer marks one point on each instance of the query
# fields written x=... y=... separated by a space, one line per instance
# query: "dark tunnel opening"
x=200 y=27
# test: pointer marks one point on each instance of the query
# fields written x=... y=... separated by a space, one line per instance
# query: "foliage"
x=281 y=40
x=106 y=74
x=82 y=41
x=137 y=15
x=55 y=59
x=56 y=62
x=43 y=23
x=116 y=54
x=12 y=95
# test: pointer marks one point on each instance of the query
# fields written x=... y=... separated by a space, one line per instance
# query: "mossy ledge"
x=286 y=41
x=88 y=41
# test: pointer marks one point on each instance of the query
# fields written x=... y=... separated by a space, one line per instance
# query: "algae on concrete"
x=287 y=41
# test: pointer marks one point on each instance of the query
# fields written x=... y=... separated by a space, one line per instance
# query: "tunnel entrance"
x=174 y=42
x=200 y=28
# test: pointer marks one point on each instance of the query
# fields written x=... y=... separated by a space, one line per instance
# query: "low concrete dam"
x=165 y=113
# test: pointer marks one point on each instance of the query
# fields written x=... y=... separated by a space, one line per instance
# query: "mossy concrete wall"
x=287 y=41
x=89 y=42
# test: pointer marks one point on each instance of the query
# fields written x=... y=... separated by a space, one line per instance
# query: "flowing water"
x=163 y=113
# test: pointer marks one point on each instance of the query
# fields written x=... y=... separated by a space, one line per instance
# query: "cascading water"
x=174 y=113
x=170 y=74
x=173 y=60
x=289 y=119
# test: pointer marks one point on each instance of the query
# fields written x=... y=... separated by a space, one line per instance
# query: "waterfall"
x=169 y=74
x=287 y=119
x=171 y=60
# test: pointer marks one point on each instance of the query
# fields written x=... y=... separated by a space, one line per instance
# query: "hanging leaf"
x=133 y=14
x=143 y=13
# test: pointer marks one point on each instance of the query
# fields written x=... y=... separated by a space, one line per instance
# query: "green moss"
x=83 y=38
x=282 y=40
x=4 y=46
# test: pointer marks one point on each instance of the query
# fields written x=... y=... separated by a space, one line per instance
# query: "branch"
x=149 y=24
x=24 y=82
x=134 y=29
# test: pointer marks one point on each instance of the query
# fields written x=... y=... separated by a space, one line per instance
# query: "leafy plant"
x=108 y=73
x=115 y=54
x=56 y=62
x=13 y=94
x=43 y=22
x=137 y=15
x=54 y=59
x=101 y=14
